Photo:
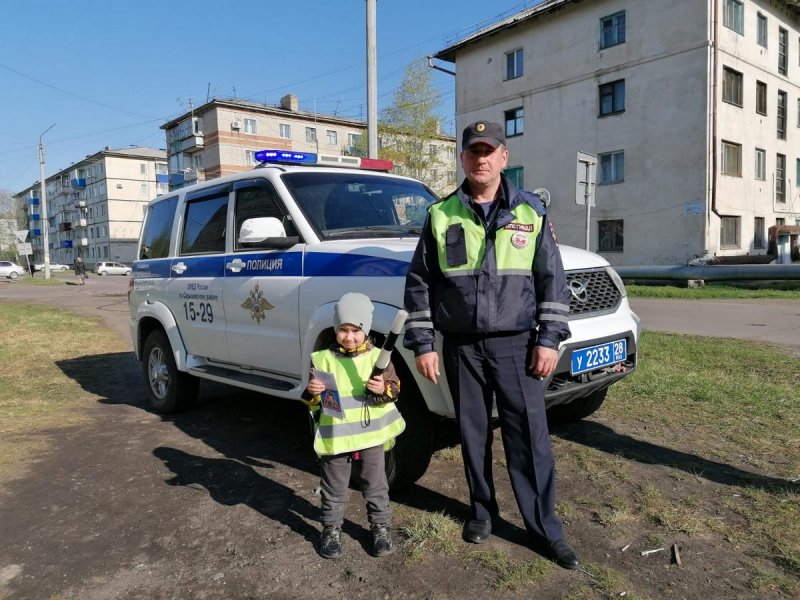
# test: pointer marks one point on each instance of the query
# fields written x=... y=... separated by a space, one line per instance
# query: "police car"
x=236 y=279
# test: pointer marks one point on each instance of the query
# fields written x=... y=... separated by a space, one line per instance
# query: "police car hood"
x=575 y=258
x=393 y=249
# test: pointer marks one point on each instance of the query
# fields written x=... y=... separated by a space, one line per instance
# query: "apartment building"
x=692 y=108
x=95 y=207
x=222 y=136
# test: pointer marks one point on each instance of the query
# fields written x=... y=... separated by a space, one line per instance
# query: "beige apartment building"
x=95 y=207
x=222 y=136
x=692 y=108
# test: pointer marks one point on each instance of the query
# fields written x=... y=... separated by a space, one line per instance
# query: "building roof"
x=546 y=7
x=256 y=107
x=528 y=14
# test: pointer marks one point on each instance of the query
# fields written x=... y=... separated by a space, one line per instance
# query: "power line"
x=63 y=91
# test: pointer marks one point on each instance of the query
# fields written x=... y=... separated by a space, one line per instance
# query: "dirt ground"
x=220 y=503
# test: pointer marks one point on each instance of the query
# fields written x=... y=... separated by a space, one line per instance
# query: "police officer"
x=487 y=274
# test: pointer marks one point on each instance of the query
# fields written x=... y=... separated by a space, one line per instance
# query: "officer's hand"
x=428 y=366
x=543 y=361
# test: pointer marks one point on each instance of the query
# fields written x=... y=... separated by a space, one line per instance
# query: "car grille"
x=592 y=293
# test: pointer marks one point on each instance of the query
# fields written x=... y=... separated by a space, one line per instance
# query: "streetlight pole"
x=43 y=211
x=372 y=88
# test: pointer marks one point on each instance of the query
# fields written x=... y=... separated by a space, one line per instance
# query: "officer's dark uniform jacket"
x=469 y=276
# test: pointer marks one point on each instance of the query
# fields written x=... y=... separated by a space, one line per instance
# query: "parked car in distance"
x=111 y=268
x=10 y=269
x=53 y=267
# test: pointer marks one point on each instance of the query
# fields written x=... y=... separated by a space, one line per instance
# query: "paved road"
x=765 y=320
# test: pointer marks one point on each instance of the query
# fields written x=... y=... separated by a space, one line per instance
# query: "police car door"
x=261 y=288
x=196 y=273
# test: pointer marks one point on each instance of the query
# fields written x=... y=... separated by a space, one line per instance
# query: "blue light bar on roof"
x=285 y=156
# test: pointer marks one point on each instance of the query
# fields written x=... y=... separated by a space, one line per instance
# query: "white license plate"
x=595 y=357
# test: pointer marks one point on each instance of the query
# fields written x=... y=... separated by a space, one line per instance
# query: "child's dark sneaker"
x=330 y=545
x=381 y=540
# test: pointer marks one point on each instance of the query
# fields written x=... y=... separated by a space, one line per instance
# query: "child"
x=356 y=419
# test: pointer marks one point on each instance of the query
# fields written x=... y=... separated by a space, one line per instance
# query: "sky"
x=110 y=72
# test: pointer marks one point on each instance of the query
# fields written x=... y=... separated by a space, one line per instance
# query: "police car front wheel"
x=168 y=389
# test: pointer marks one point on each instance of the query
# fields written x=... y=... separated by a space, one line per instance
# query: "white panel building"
x=96 y=206
x=692 y=107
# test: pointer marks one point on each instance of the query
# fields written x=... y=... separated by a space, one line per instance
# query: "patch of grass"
x=429 y=532
x=516 y=576
x=738 y=397
x=608 y=582
x=36 y=395
x=452 y=454
x=787 y=290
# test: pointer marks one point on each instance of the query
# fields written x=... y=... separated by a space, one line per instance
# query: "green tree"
x=409 y=130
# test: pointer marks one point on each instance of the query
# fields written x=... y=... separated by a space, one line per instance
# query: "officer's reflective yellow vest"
x=364 y=425
x=455 y=227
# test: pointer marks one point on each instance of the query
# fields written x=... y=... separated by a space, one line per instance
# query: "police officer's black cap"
x=483 y=132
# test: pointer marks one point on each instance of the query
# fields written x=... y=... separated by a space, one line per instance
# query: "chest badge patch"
x=519 y=239
x=256 y=304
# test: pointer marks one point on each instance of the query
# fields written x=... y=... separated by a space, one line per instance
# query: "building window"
x=311 y=135
x=730 y=231
x=332 y=137
x=780 y=178
x=353 y=139
x=612 y=97
x=781 y=115
x=612 y=167
x=285 y=131
x=433 y=150
x=783 y=51
x=761 y=164
x=761 y=35
x=731 y=86
x=142 y=168
x=515 y=176
x=731 y=159
x=515 y=124
x=798 y=112
x=761 y=97
x=797 y=173
x=758 y=233
x=514 y=64
x=250 y=126
x=250 y=157
x=612 y=30
x=611 y=235
x=733 y=15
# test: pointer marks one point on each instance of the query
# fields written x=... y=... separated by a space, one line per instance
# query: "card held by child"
x=331 y=405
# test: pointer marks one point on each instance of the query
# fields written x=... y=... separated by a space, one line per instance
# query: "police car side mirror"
x=265 y=232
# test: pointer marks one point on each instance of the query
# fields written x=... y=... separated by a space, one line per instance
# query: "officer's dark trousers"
x=476 y=366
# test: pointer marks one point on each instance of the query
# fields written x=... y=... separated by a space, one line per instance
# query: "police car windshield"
x=352 y=205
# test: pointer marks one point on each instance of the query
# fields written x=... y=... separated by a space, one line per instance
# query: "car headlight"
x=617 y=280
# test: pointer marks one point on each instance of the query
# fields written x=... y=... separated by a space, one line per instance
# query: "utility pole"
x=43 y=211
x=372 y=89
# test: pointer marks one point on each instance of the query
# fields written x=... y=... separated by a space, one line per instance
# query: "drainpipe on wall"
x=714 y=145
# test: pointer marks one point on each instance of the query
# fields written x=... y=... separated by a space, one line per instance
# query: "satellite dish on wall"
x=544 y=195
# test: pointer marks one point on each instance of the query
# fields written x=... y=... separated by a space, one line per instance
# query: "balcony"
x=81 y=222
x=79 y=204
x=66 y=226
x=194 y=175
x=84 y=241
x=33 y=202
x=66 y=243
x=78 y=183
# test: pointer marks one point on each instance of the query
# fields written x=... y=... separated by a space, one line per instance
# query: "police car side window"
x=204 y=225
x=157 y=233
x=258 y=200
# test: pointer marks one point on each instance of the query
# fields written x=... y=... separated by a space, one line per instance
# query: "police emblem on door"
x=256 y=304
